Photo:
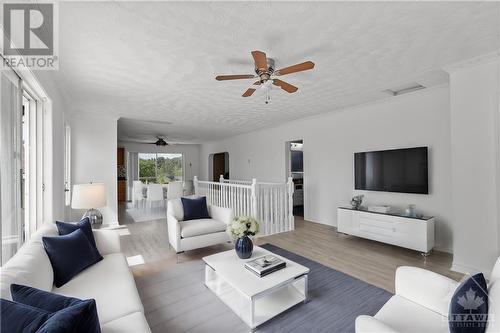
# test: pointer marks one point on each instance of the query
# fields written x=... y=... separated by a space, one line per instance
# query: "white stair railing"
x=270 y=203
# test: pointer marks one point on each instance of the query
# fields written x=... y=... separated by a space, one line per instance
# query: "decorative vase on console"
x=356 y=201
x=242 y=227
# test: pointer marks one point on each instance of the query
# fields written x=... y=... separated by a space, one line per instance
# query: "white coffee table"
x=254 y=299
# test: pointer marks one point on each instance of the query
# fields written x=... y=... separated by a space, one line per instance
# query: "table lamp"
x=90 y=196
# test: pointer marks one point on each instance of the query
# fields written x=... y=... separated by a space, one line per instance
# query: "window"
x=10 y=164
x=22 y=122
x=67 y=165
x=160 y=168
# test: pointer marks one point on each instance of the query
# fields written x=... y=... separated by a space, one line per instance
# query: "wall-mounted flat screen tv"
x=396 y=170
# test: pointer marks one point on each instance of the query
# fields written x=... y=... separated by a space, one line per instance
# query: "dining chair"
x=174 y=190
x=137 y=193
x=155 y=195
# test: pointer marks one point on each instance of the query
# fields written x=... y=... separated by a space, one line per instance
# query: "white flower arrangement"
x=243 y=226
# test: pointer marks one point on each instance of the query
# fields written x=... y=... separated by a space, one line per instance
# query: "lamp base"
x=94 y=215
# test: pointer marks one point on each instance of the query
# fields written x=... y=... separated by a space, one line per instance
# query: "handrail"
x=270 y=203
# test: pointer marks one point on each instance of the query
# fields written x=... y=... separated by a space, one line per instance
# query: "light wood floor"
x=146 y=245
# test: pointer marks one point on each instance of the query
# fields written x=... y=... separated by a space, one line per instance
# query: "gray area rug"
x=176 y=300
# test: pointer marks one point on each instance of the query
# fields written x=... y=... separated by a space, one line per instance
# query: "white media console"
x=412 y=233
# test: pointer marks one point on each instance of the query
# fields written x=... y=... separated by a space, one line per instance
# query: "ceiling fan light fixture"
x=161 y=143
x=266 y=72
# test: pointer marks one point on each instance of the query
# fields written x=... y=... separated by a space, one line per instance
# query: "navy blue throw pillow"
x=69 y=255
x=469 y=306
x=52 y=303
x=195 y=209
x=17 y=317
x=73 y=319
x=65 y=228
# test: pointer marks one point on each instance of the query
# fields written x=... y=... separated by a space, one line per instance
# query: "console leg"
x=425 y=254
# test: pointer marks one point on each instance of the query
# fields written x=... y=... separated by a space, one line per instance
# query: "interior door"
x=219 y=163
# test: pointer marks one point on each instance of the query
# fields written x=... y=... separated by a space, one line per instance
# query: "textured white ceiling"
x=157 y=60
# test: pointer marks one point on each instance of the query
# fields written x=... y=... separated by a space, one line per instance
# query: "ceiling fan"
x=265 y=71
x=160 y=142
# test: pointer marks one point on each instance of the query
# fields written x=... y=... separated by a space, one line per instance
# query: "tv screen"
x=397 y=170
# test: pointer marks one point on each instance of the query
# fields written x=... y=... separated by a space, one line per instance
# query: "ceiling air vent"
x=407 y=88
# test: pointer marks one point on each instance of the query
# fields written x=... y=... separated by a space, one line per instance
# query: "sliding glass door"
x=160 y=168
x=21 y=163
x=12 y=228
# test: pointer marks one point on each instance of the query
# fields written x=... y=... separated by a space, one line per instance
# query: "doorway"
x=295 y=169
x=220 y=166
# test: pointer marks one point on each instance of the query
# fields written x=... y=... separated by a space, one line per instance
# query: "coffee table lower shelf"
x=258 y=309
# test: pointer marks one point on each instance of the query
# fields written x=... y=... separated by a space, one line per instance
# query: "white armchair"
x=195 y=234
x=420 y=304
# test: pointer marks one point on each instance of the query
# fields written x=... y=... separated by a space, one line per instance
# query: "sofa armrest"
x=367 y=324
x=221 y=214
x=429 y=289
x=107 y=241
x=174 y=232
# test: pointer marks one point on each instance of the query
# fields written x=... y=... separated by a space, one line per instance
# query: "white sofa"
x=422 y=302
x=109 y=281
x=195 y=234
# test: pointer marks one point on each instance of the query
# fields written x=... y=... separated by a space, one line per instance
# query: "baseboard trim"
x=461 y=268
x=443 y=249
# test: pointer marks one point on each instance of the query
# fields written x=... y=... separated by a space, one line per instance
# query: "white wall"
x=54 y=161
x=93 y=144
x=417 y=119
x=474 y=92
x=191 y=154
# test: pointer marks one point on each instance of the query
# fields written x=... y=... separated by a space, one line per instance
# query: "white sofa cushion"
x=174 y=207
x=112 y=286
x=493 y=306
x=8 y=277
x=30 y=266
x=429 y=289
x=406 y=316
x=132 y=323
x=201 y=227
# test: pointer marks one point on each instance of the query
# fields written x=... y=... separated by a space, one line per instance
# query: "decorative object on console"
x=90 y=196
x=69 y=255
x=242 y=227
x=356 y=201
x=411 y=211
x=379 y=209
x=50 y=302
x=469 y=306
x=121 y=171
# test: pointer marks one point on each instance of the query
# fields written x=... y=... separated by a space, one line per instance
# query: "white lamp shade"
x=86 y=196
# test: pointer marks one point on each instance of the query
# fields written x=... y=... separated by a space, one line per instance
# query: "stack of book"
x=265 y=265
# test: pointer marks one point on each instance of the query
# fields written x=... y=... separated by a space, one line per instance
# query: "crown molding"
x=479 y=60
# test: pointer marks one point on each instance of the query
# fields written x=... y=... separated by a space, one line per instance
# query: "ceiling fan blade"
x=249 y=92
x=234 y=77
x=295 y=68
x=260 y=60
x=285 y=86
